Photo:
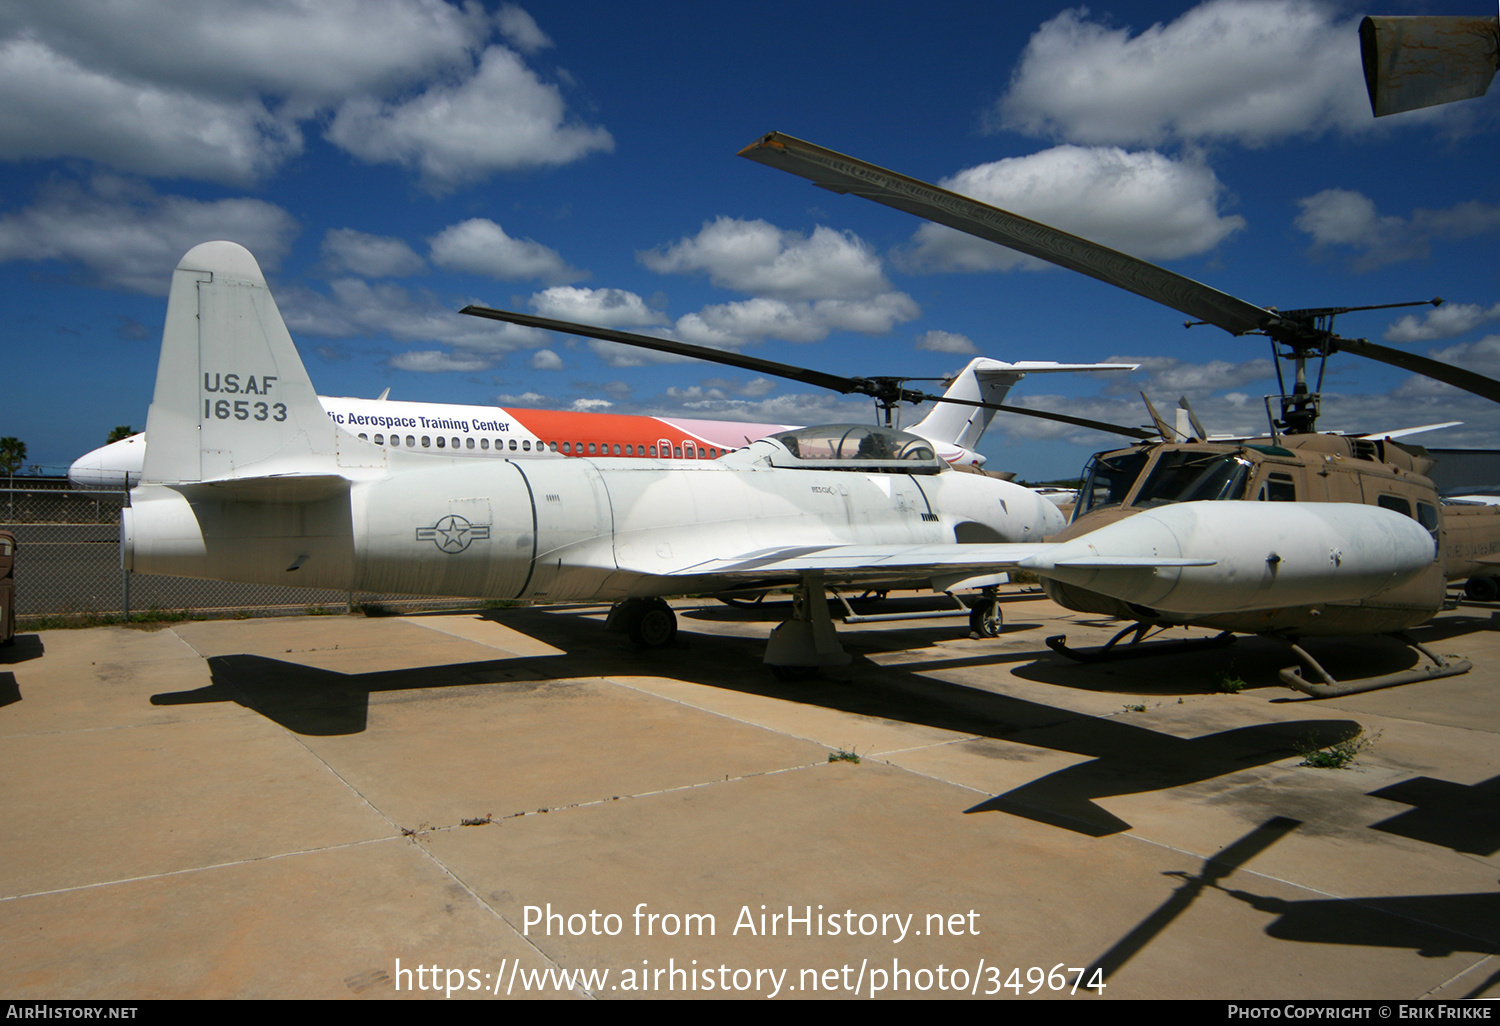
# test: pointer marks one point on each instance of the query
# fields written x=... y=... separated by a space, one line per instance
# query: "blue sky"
x=389 y=161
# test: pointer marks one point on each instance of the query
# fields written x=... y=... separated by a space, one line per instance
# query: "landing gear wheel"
x=1482 y=589
x=985 y=619
x=655 y=626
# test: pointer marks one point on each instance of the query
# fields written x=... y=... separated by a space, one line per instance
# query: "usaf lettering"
x=240 y=409
x=231 y=384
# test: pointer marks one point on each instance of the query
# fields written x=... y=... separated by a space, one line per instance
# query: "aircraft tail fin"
x=232 y=398
x=986 y=381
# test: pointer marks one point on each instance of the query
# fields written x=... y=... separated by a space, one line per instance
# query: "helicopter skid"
x=1135 y=649
x=1439 y=666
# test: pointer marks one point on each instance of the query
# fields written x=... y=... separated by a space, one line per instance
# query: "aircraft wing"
x=876 y=564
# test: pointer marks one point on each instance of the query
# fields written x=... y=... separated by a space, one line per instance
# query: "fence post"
x=124 y=571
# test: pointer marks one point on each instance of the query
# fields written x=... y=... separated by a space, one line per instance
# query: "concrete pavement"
x=276 y=808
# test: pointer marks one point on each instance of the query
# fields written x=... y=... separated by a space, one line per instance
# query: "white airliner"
x=493 y=431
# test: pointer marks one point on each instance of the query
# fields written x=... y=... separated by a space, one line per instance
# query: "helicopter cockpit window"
x=856 y=447
x=1278 y=488
x=1188 y=476
x=1427 y=516
x=1107 y=480
x=1395 y=503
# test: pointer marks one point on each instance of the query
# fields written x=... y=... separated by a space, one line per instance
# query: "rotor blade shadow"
x=1215 y=868
x=1405 y=921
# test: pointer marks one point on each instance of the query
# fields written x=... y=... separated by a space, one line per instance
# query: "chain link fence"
x=68 y=565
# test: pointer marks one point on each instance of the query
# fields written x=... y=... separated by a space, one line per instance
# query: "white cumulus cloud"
x=371 y=256
x=130 y=237
x=520 y=29
x=480 y=246
x=501 y=118
x=757 y=257
x=946 y=342
x=433 y=361
x=1482 y=357
x=1170 y=377
x=51 y=106
x=546 y=360
x=732 y=325
x=802 y=286
x=222 y=92
x=353 y=307
x=607 y=308
x=1446 y=321
x=1344 y=218
x=1252 y=71
x=1145 y=204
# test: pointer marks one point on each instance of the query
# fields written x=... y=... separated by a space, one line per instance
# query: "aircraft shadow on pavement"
x=1248 y=662
x=23 y=647
x=1433 y=925
x=320 y=703
x=1124 y=757
x=1465 y=818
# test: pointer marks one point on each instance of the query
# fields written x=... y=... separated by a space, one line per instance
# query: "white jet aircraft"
x=260 y=485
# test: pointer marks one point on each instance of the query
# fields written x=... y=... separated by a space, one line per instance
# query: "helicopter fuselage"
x=1301 y=468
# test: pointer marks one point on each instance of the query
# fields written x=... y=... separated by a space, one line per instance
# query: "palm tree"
x=123 y=431
x=12 y=455
x=12 y=458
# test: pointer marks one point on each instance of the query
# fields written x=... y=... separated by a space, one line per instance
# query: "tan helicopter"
x=1302 y=466
x=1293 y=463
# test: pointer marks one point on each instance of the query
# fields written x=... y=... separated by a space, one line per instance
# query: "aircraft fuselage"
x=555 y=529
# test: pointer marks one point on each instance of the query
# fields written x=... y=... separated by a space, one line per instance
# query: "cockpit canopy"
x=860 y=447
x=1178 y=475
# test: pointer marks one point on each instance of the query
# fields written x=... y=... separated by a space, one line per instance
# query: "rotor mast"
x=1307 y=333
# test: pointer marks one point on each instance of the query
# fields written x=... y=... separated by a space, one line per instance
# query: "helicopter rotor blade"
x=844 y=174
x=1448 y=374
x=1026 y=411
x=882 y=389
x=666 y=345
x=1423 y=61
x=840 y=173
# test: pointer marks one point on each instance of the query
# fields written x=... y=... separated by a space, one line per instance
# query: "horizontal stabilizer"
x=279 y=489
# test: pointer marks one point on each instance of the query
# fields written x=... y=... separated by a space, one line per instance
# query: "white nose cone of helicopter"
x=1220 y=557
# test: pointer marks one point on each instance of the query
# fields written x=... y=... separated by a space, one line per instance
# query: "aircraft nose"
x=87 y=471
x=109 y=466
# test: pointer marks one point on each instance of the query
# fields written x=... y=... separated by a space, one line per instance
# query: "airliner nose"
x=117 y=465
